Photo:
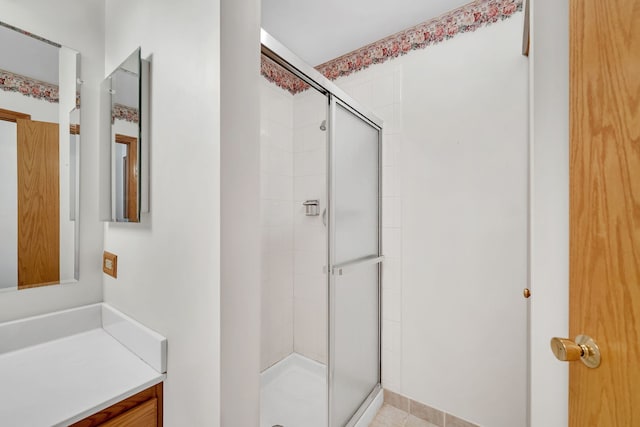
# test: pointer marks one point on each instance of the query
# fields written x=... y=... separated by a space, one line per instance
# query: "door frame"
x=132 y=174
x=13 y=116
x=548 y=209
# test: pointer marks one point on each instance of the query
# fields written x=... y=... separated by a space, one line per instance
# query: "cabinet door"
x=133 y=411
x=144 y=415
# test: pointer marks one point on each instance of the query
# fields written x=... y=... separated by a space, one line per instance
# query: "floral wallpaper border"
x=470 y=17
x=122 y=112
x=281 y=77
x=463 y=20
x=11 y=82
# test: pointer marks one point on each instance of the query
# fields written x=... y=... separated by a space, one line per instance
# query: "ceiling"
x=24 y=55
x=321 y=30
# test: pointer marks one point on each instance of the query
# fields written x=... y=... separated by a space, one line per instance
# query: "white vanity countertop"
x=61 y=381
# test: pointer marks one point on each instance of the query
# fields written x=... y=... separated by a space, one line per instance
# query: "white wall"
x=9 y=206
x=465 y=220
x=38 y=109
x=455 y=205
x=240 y=220
x=79 y=25
x=276 y=211
x=168 y=265
x=309 y=233
x=549 y=145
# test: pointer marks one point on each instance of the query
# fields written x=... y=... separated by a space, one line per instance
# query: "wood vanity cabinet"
x=140 y=410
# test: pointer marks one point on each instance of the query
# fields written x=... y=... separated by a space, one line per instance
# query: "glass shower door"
x=355 y=263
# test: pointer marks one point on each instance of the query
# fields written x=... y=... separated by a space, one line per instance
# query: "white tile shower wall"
x=276 y=198
x=379 y=89
x=455 y=221
x=310 y=237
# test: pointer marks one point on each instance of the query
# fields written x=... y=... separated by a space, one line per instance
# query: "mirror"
x=39 y=161
x=125 y=92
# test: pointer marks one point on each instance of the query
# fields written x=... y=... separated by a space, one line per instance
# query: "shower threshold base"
x=293 y=393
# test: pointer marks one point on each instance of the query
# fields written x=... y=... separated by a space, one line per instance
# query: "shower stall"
x=321 y=251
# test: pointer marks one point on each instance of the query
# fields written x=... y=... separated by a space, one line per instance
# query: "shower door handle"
x=346 y=267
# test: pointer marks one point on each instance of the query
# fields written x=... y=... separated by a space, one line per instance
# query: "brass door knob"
x=584 y=348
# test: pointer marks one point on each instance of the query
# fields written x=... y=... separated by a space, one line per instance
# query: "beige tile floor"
x=389 y=416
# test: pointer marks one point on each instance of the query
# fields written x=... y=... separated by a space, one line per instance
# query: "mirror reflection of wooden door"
x=130 y=171
x=605 y=209
x=38 y=203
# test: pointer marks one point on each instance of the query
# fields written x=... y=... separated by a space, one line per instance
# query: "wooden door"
x=38 y=203
x=605 y=209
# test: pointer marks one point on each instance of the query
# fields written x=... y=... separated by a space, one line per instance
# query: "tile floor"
x=294 y=392
x=389 y=416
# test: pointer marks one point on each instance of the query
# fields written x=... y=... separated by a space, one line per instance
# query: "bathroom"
x=474 y=208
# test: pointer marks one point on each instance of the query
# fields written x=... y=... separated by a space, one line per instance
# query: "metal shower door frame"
x=277 y=52
x=337 y=269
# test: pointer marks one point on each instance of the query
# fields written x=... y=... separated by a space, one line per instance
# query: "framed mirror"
x=125 y=168
x=39 y=160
